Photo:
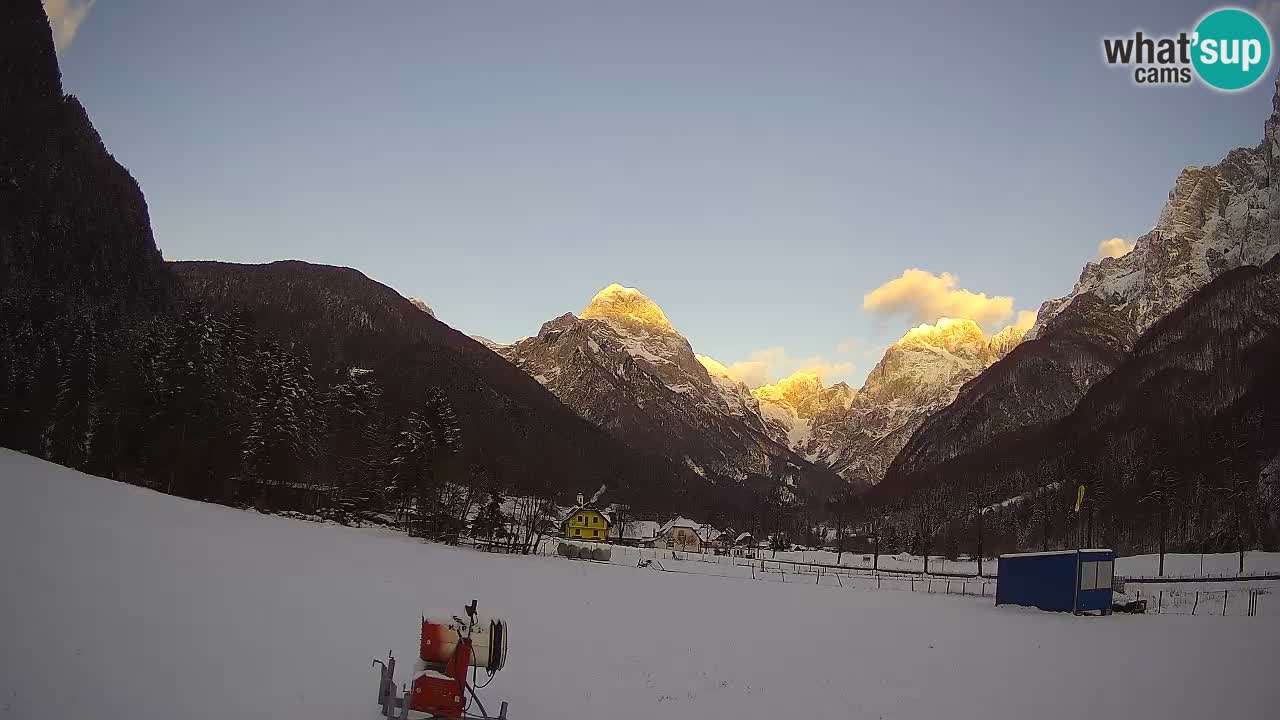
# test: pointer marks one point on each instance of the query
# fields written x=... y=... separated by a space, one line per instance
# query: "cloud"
x=924 y=297
x=1026 y=318
x=65 y=17
x=1114 y=248
x=762 y=366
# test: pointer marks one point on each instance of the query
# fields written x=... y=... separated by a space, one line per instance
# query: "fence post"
x=1224 y=602
x=1160 y=603
x=1196 y=604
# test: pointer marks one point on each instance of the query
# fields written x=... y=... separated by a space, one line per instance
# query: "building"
x=640 y=533
x=680 y=534
x=1064 y=580
x=583 y=523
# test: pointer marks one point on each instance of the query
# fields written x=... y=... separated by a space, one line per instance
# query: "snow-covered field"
x=122 y=603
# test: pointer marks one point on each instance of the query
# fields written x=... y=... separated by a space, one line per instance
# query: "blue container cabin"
x=1063 y=580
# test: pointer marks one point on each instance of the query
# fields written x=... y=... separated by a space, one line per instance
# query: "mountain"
x=1189 y=419
x=1216 y=219
x=78 y=262
x=800 y=410
x=623 y=366
x=857 y=434
x=422 y=305
x=510 y=424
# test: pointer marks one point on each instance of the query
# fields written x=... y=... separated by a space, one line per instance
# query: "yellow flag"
x=1079 y=496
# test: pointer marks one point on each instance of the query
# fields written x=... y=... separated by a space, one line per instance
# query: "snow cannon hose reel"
x=449 y=646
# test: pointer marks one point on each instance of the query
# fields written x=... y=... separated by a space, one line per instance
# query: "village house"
x=583 y=523
x=680 y=534
x=640 y=533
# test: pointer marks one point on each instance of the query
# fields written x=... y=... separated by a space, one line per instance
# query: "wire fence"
x=1247 y=602
x=792 y=572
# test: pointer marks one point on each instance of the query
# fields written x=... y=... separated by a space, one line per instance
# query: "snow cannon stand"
x=449 y=647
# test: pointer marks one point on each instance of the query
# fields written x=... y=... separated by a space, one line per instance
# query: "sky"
x=795 y=183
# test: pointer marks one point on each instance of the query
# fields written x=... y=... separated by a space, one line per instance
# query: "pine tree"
x=426 y=437
x=281 y=440
x=490 y=523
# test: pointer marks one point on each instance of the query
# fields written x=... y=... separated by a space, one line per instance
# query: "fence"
x=790 y=566
x=1223 y=603
x=788 y=571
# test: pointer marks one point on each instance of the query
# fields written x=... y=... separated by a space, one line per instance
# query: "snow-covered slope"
x=624 y=366
x=802 y=410
x=123 y=603
x=1217 y=218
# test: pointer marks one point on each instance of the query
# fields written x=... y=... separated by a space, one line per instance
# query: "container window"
x=1088 y=575
x=1105 y=569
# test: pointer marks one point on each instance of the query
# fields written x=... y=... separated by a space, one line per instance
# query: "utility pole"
x=980 y=553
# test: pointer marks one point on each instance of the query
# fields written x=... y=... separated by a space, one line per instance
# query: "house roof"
x=640 y=530
x=683 y=522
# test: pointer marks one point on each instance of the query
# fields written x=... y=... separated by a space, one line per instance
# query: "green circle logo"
x=1232 y=49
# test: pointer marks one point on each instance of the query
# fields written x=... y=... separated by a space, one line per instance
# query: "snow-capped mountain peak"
x=956 y=335
x=804 y=392
x=622 y=365
x=627 y=305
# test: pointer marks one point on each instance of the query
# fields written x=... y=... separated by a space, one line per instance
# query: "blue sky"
x=756 y=168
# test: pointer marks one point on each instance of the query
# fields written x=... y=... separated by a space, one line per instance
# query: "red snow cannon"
x=449 y=647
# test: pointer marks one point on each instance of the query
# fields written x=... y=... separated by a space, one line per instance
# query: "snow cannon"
x=443 y=634
x=450 y=646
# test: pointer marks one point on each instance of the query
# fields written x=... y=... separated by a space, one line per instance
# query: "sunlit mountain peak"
x=617 y=302
x=948 y=333
x=716 y=368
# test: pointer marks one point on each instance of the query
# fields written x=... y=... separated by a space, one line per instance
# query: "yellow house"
x=586 y=524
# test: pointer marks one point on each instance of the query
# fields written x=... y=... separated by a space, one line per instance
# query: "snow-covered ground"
x=122 y=603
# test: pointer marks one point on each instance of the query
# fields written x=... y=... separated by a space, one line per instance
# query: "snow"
x=124 y=603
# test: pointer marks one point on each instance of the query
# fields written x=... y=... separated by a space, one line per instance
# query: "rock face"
x=802 y=412
x=77 y=258
x=623 y=366
x=858 y=434
x=1216 y=219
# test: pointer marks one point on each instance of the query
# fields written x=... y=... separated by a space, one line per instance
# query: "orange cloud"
x=924 y=297
x=762 y=366
x=1114 y=248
